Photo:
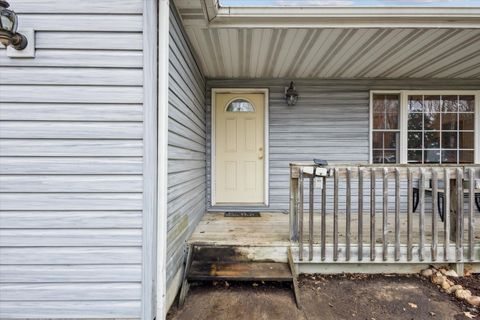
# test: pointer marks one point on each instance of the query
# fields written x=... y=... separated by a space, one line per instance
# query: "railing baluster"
x=459 y=229
x=335 y=215
x=348 y=213
x=385 y=215
x=471 y=208
x=310 y=216
x=324 y=215
x=434 y=213
x=300 y=214
x=360 y=214
x=421 y=201
x=397 y=214
x=372 y=214
x=446 y=218
x=409 y=214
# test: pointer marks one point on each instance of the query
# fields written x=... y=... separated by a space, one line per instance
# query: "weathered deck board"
x=272 y=229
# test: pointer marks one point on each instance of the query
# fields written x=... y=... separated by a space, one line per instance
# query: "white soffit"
x=280 y=49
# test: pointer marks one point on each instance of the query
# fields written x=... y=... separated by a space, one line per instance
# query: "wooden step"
x=239 y=271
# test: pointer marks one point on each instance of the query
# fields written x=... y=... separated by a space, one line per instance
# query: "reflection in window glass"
x=441 y=128
x=240 y=105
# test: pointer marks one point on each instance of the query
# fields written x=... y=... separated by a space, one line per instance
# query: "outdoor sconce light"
x=291 y=95
x=8 y=28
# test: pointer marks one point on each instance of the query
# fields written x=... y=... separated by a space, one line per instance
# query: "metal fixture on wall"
x=291 y=94
x=8 y=28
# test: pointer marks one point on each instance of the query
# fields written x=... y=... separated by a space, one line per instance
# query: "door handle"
x=260 y=156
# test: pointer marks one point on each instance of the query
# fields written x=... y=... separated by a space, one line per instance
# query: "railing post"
x=458 y=216
x=397 y=214
x=348 y=214
x=335 y=214
x=409 y=214
x=446 y=218
x=421 y=197
x=293 y=218
x=385 y=215
x=434 y=213
x=360 y=214
x=311 y=203
x=471 y=208
x=372 y=214
x=300 y=200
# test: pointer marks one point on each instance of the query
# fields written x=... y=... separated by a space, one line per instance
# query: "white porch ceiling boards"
x=365 y=52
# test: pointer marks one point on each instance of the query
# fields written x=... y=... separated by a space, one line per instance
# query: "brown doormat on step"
x=242 y=214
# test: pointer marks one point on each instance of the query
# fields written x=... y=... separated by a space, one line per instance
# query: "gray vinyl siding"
x=71 y=159
x=186 y=146
x=330 y=121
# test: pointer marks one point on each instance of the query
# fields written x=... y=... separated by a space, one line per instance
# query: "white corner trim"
x=266 y=157
x=162 y=161
x=29 y=51
x=149 y=228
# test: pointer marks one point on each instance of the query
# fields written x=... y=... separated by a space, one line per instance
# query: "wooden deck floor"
x=271 y=229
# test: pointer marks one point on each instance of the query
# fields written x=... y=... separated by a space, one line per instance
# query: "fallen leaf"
x=412 y=305
x=469 y=315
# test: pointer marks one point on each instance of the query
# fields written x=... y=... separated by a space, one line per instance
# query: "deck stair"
x=229 y=263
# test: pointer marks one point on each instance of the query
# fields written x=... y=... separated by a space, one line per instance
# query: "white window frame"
x=403 y=150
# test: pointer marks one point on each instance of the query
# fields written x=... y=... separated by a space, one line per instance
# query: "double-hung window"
x=433 y=127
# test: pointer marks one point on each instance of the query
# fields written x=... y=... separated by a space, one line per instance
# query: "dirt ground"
x=374 y=297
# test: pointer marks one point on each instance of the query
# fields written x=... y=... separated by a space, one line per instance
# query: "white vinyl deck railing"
x=383 y=213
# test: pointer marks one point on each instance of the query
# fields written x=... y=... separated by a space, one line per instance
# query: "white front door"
x=239 y=148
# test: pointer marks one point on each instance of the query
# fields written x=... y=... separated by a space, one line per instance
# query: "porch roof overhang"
x=333 y=42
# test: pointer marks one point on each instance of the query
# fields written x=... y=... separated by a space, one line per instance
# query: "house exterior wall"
x=330 y=121
x=186 y=150
x=71 y=163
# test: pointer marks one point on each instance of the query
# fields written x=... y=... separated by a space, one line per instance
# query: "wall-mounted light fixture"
x=291 y=94
x=8 y=28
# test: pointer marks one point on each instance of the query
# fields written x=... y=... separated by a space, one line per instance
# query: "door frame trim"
x=266 y=161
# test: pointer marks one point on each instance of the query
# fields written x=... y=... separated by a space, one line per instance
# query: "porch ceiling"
x=286 y=51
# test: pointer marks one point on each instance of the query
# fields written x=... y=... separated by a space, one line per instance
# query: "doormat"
x=243 y=214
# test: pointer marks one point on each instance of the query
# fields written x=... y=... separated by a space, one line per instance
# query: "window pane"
x=414 y=156
x=466 y=121
x=466 y=156
x=415 y=140
x=431 y=104
x=386 y=111
x=377 y=156
x=467 y=140
x=391 y=140
x=390 y=157
x=415 y=121
x=431 y=121
x=240 y=105
x=378 y=103
x=377 y=140
x=466 y=103
x=450 y=104
x=432 y=140
x=449 y=121
x=449 y=140
x=415 y=103
x=379 y=121
x=392 y=108
x=449 y=156
x=431 y=156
